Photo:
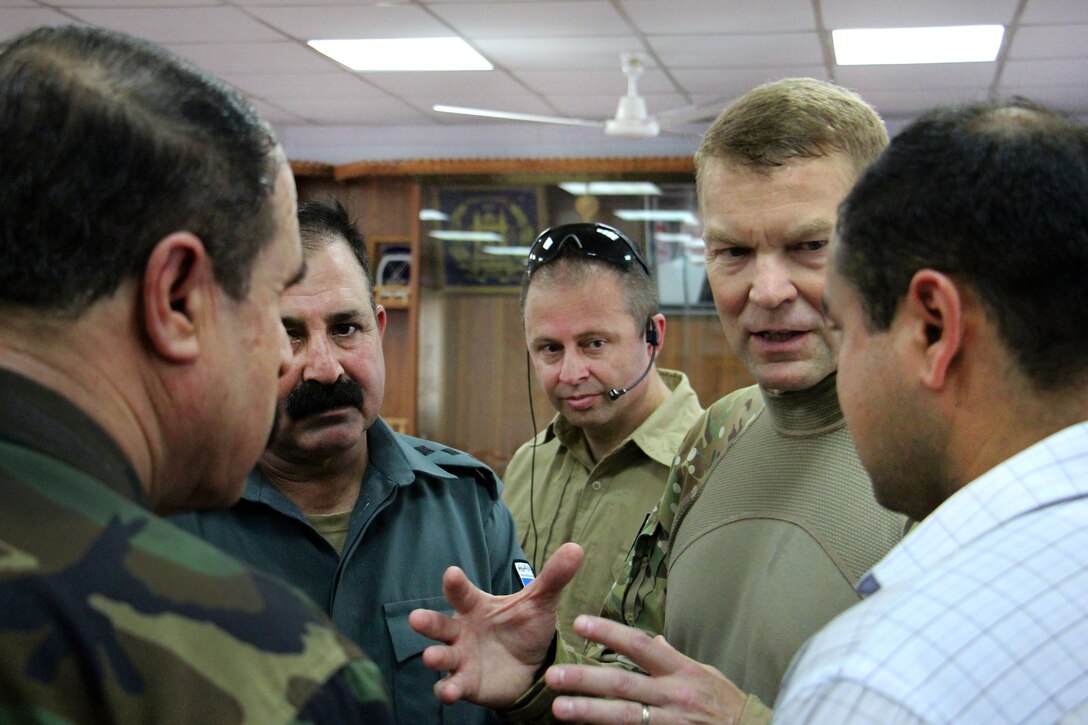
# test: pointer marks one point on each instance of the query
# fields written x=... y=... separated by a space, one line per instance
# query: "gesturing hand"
x=494 y=644
x=677 y=690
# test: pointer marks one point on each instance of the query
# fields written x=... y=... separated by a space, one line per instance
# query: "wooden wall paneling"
x=695 y=344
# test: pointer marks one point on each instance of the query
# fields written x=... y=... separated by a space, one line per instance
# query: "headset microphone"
x=651 y=337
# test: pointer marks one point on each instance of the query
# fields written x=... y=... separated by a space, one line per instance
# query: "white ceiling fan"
x=632 y=120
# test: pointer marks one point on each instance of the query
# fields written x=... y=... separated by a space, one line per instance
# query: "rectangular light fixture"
x=901 y=46
x=507 y=251
x=611 y=188
x=657 y=215
x=674 y=238
x=452 y=235
x=432 y=215
x=402 y=54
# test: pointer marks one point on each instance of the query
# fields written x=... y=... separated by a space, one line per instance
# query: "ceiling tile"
x=308 y=22
x=287 y=57
x=449 y=84
x=936 y=76
x=355 y=110
x=588 y=18
x=610 y=83
x=729 y=82
x=1038 y=42
x=180 y=25
x=1054 y=12
x=554 y=53
x=20 y=19
x=917 y=13
x=738 y=51
x=695 y=17
x=310 y=86
x=133 y=3
x=273 y=114
x=900 y=104
x=1046 y=73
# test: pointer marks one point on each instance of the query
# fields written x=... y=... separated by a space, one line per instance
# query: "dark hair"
x=322 y=223
x=793 y=118
x=995 y=195
x=573 y=267
x=108 y=144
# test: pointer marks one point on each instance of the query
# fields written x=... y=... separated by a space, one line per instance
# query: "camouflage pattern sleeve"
x=111 y=614
x=638 y=600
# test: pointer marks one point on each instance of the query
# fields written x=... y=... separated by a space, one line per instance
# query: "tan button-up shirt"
x=598 y=505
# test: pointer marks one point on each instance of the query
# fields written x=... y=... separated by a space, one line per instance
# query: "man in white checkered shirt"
x=960 y=281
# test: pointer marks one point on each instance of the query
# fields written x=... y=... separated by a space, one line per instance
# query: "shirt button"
x=596 y=485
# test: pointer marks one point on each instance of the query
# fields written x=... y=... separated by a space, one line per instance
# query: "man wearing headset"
x=592 y=330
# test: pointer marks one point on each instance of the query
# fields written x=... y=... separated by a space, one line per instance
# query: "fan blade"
x=517 y=116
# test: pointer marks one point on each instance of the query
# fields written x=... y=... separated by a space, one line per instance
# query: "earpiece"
x=651 y=332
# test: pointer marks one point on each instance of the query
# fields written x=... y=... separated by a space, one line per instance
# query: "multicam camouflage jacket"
x=638 y=599
x=110 y=614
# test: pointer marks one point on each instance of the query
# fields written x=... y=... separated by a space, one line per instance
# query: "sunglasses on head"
x=599 y=241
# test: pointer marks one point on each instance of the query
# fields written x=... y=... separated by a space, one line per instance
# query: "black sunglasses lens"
x=597 y=241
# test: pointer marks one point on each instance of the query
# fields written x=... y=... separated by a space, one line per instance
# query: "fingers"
x=433 y=625
x=652 y=654
x=461 y=593
x=609 y=682
x=448 y=690
x=601 y=712
x=558 y=571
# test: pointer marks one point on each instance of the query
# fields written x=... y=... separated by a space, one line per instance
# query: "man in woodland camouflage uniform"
x=148 y=232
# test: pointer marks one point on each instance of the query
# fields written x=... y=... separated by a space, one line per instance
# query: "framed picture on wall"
x=485 y=234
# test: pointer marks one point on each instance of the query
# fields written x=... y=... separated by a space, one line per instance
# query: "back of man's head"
x=790 y=119
x=108 y=144
x=992 y=194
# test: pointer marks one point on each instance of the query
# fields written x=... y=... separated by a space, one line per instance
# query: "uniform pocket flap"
x=406 y=641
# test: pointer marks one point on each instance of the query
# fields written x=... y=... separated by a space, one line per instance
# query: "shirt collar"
x=659 y=437
x=38 y=418
x=810 y=412
x=1048 y=472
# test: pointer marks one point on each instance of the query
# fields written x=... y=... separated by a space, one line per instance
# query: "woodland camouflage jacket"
x=110 y=614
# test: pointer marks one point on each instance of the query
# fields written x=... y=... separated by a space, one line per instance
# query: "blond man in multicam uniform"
x=768 y=518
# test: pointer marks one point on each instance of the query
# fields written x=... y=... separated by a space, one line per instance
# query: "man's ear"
x=380 y=319
x=934 y=312
x=177 y=280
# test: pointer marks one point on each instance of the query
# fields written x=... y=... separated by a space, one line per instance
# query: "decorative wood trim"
x=468 y=167
x=313 y=170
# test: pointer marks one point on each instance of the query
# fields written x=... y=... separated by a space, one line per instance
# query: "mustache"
x=311 y=397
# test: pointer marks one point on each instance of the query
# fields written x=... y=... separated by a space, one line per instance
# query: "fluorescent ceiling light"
x=455 y=236
x=508 y=251
x=611 y=188
x=432 y=215
x=389 y=54
x=657 y=215
x=892 y=46
x=674 y=237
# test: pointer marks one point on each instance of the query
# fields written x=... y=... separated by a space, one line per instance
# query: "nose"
x=320 y=362
x=573 y=369
x=771 y=285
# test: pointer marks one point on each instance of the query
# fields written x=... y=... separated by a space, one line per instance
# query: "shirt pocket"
x=412 y=686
